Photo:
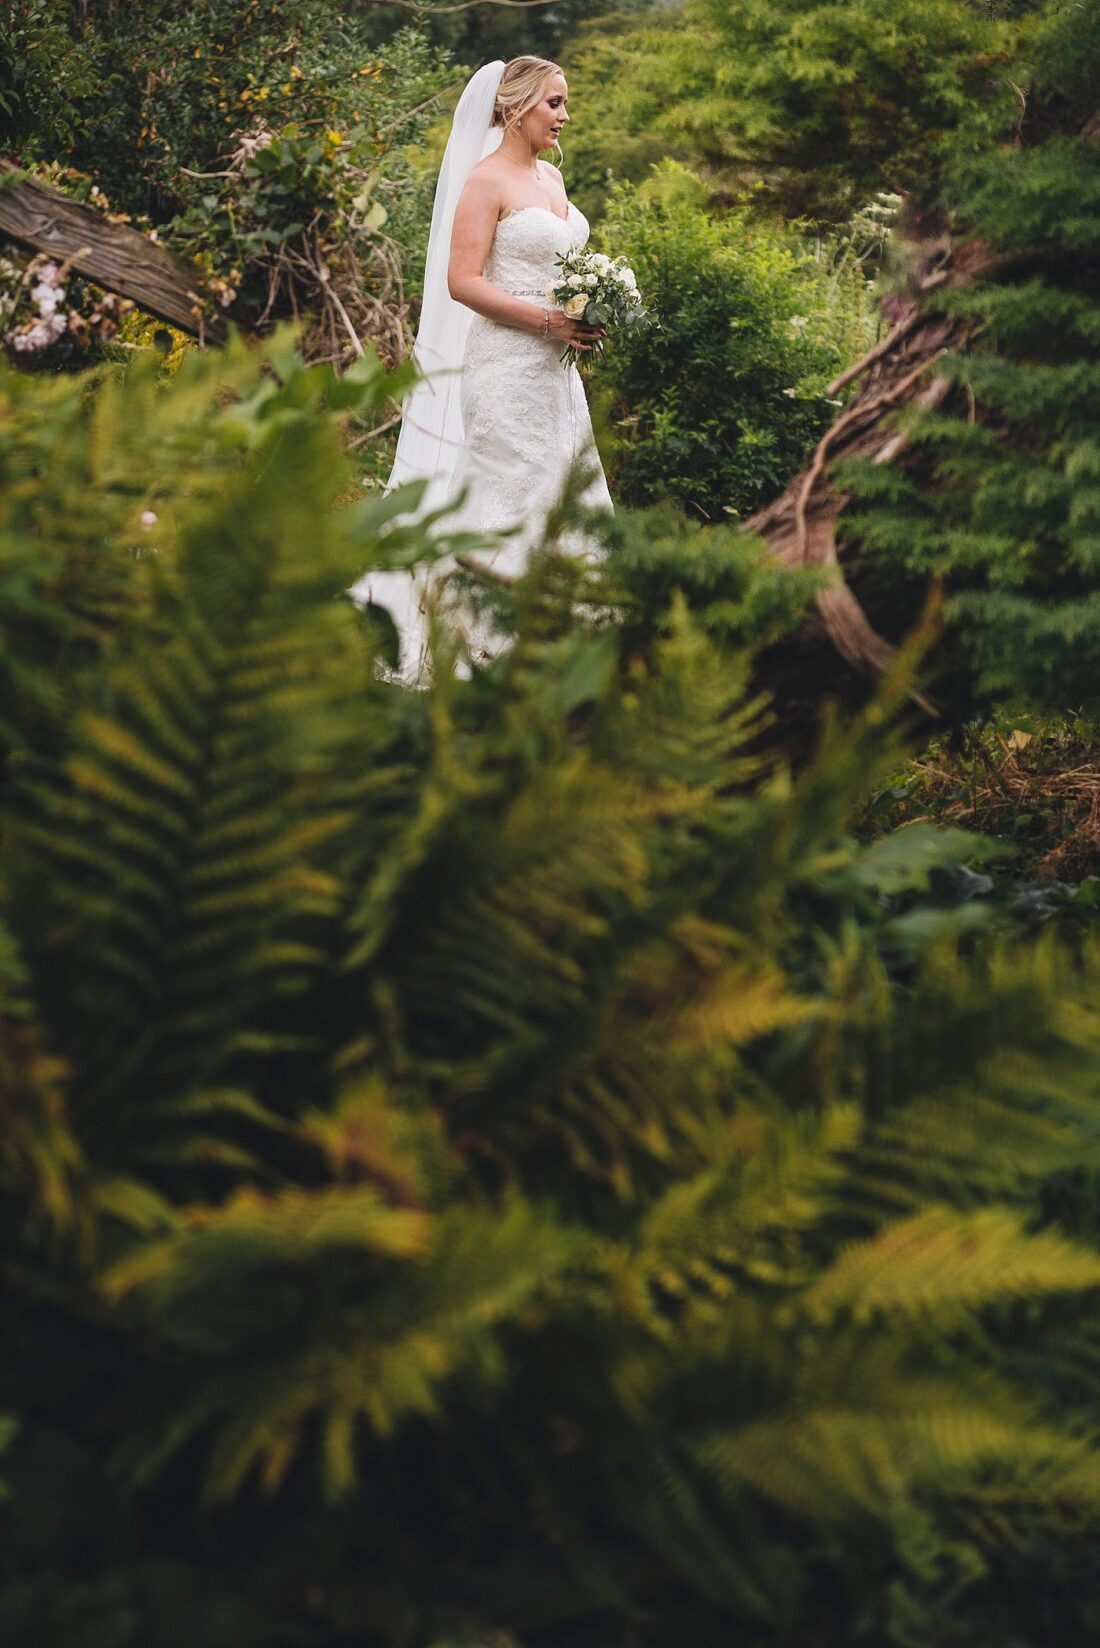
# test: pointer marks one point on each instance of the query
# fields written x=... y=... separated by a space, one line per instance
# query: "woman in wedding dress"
x=497 y=414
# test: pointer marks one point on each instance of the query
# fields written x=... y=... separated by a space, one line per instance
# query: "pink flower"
x=37 y=337
x=148 y=517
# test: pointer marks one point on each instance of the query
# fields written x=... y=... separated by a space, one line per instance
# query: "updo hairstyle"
x=522 y=85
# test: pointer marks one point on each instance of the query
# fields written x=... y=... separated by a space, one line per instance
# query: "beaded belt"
x=525 y=292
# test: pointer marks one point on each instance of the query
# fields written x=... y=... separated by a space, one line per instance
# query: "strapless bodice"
x=527 y=245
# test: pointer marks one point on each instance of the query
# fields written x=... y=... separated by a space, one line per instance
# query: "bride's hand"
x=578 y=334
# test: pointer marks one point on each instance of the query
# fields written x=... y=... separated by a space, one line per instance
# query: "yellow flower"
x=334 y=137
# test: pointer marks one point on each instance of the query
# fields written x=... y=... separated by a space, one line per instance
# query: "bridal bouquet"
x=600 y=290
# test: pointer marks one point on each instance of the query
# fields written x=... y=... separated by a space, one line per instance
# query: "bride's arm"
x=471 y=241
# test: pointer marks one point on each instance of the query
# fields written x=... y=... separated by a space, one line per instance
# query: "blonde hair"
x=522 y=85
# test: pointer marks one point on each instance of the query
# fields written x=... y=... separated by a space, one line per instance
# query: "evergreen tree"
x=805 y=107
x=968 y=451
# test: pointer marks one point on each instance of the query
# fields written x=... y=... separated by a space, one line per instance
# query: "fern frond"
x=826 y=1463
x=944 y=1263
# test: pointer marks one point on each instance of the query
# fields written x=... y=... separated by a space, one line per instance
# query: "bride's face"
x=543 y=123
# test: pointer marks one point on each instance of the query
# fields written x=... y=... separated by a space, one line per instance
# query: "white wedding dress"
x=525 y=423
x=525 y=418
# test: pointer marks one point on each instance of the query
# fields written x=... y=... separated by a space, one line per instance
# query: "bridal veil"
x=431 y=436
x=431 y=427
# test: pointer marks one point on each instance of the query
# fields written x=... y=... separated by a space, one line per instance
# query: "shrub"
x=717 y=406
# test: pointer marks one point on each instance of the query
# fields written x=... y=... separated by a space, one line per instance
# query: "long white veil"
x=431 y=427
x=431 y=434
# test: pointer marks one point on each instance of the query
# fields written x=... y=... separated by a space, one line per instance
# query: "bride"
x=496 y=415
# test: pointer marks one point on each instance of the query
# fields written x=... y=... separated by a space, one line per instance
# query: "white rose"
x=592 y=281
x=576 y=281
x=576 y=307
x=629 y=280
x=600 y=262
x=551 y=294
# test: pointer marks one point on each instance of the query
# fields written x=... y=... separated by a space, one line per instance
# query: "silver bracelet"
x=546 y=323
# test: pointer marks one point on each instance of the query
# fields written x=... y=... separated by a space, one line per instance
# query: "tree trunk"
x=799 y=527
x=113 y=255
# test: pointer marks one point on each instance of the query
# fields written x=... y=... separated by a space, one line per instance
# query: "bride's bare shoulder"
x=485 y=184
x=489 y=170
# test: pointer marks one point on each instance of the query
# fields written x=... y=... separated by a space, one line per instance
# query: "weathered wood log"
x=115 y=256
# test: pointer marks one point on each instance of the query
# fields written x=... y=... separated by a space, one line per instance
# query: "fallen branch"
x=115 y=256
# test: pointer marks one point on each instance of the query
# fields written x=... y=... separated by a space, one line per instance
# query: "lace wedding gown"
x=524 y=415
x=525 y=421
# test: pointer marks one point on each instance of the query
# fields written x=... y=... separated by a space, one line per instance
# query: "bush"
x=717 y=406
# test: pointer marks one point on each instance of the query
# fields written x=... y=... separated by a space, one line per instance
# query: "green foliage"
x=170 y=110
x=46 y=76
x=1002 y=498
x=717 y=405
x=472 y=1141
x=810 y=106
x=166 y=86
x=485 y=30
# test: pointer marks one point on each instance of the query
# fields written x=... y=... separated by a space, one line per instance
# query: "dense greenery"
x=1001 y=496
x=809 y=105
x=483 y=1120
x=720 y=403
x=479 y=33
x=270 y=142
